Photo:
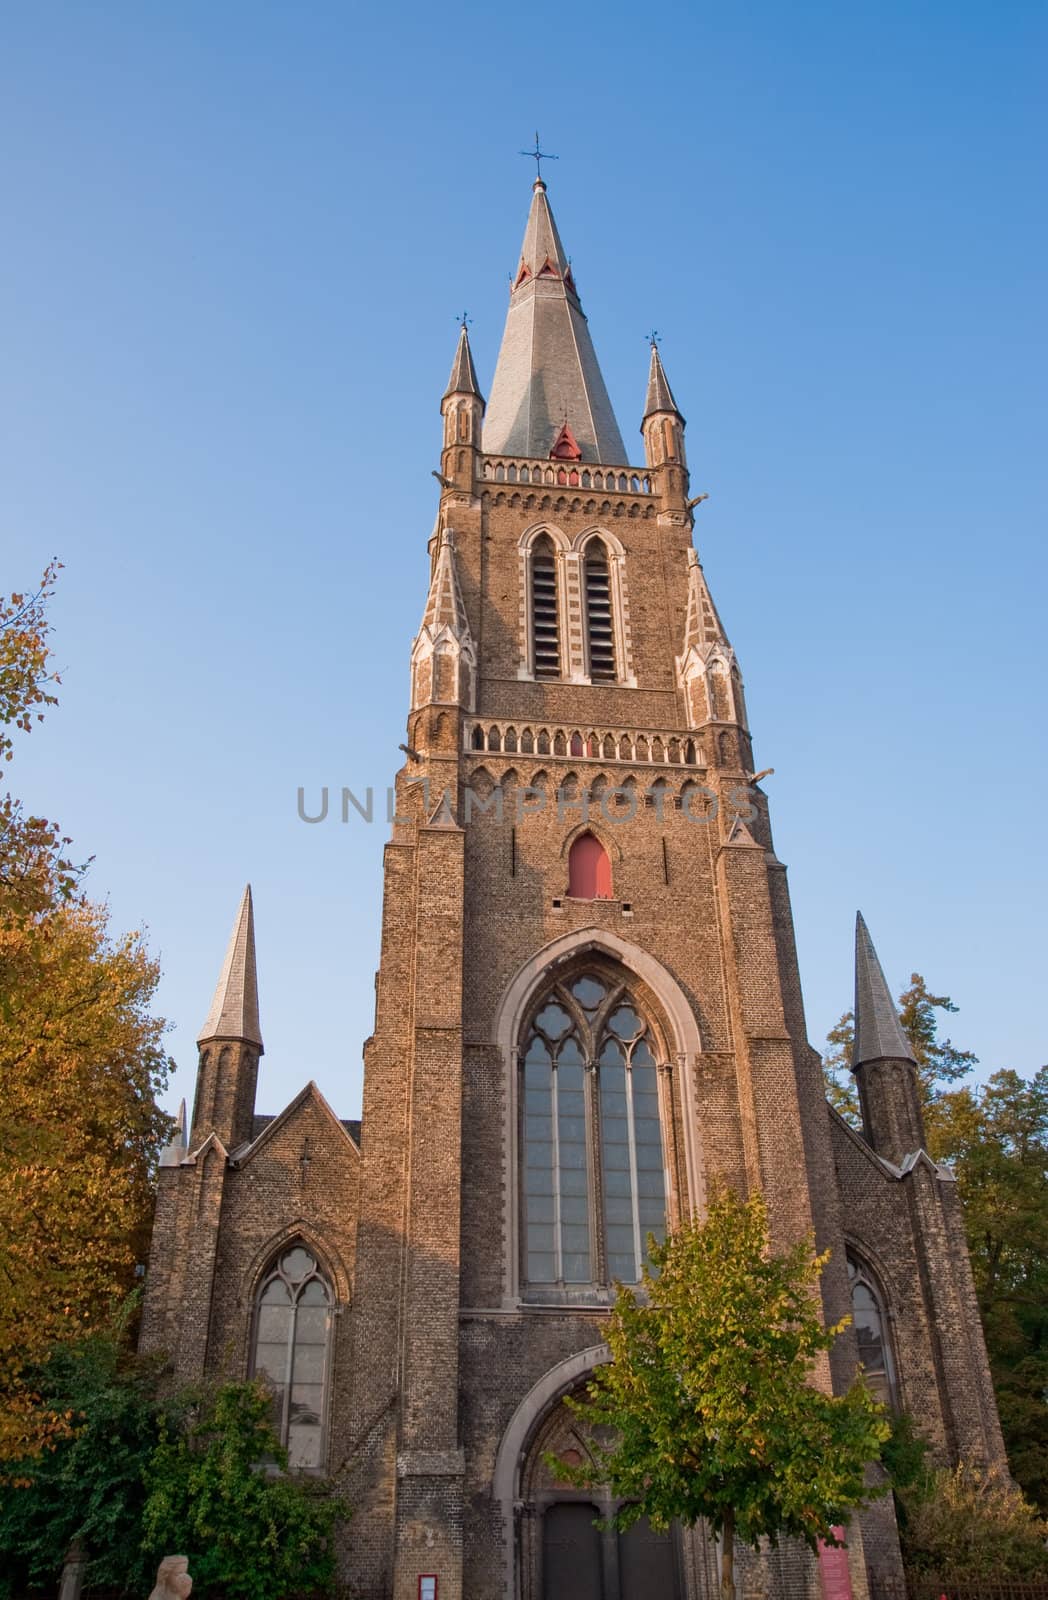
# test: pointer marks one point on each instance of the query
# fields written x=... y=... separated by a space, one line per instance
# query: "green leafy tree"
x=836 y=1068
x=996 y=1140
x=34 y=870
x=249 y=1533
x=89 y=1487
x=81 y=1063
x=141 y=1471
x=709 y=1392
x=973 y=1523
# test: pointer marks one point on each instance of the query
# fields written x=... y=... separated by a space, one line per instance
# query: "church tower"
x=588 y=1009
x=588 y=1003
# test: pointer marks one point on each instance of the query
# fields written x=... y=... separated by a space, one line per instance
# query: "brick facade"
x=447 y=1369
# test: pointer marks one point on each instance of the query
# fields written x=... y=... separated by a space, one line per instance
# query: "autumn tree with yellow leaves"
x=81 y=1062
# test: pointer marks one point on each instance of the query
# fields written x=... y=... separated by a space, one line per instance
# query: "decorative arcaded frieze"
x=656 y=747
x=563 y=474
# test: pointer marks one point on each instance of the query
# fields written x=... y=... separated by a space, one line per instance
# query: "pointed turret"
x=547 y=372
x=230 y=1042
x=463 y=379
x=878 y=1032
x=707 y=669
x=443 y=659
x=234 y=1009
x=178 y=1146
x=702 y=626
x=883 y=1060
x=660 y=395
x=663 y=426
x=462 y=408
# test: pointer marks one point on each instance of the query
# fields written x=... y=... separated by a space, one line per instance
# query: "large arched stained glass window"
x=291 y=1351
x=594 y=1182
x=871 y=1331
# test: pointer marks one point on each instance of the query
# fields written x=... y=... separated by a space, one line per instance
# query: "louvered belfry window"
x=544 y=620
x=599 y=633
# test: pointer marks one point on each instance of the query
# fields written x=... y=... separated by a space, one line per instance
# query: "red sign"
x=834 y=1574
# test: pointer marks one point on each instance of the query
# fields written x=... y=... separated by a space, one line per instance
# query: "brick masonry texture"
x=446 y=1373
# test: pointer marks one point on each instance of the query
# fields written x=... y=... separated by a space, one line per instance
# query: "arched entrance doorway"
x=564 y=1555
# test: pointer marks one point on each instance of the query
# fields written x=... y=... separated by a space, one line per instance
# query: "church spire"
x=462 y=407
x=444 y=607
x=663 y=427
x=660 y=395
x=230 y=1043
x=882 y=1060
x=707 y=668
x=547 y=372
x=234 y=1009
x=443 y=658
x=463 y=379
x=703 y=627
x=878 y=1031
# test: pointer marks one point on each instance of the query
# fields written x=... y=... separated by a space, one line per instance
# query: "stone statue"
x=172 y=1579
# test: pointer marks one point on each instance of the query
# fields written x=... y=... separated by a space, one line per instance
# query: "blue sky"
x=236 y=238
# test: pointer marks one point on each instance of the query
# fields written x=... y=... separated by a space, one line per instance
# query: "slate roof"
x=234 y=1009
x=547 y=372
x=878 y=1032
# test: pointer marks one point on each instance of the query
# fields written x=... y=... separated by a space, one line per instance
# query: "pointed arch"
x=522 y=1427
x=293 y=1312
x=544 y=609
x=676 y=1025
x=589 y=869
x=872 y=1321
x=598 y=613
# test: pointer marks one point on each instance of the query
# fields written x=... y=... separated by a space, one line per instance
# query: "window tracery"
x=594 y=1183
x=291 y=1350
x=871 y=1330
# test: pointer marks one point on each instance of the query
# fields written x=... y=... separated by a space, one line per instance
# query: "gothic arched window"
x=594 y=1183
x=545 y=624
x=600 y=636
x=291 y=1351
x=589 y=869
x=871 y=1330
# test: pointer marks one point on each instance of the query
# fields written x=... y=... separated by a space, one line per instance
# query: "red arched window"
x=589 y=869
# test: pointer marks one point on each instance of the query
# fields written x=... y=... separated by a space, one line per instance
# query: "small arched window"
x=545 y=626
x=871 y=1330
x=589 y=869
x=291 y=1351
x=600 y=639
x=593 y=1166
